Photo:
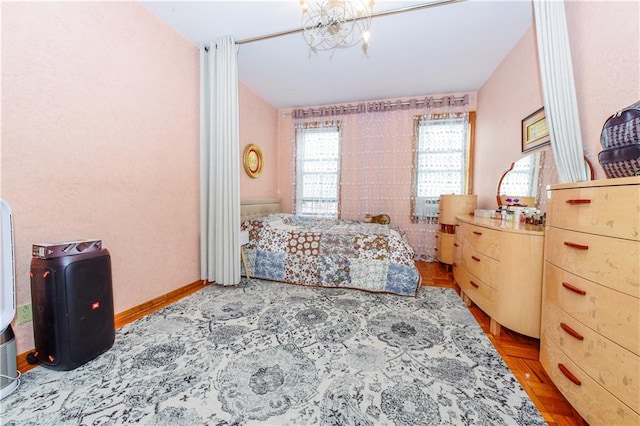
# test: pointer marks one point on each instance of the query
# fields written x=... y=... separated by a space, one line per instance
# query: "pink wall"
x=286 y=146
x=259 y=125
x=512 y=92
x=604 y=38
x=100 y=140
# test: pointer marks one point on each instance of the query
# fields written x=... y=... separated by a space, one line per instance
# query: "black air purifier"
x=72 y=299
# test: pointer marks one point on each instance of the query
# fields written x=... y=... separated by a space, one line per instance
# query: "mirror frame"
x=504 y=174
x=499 y=200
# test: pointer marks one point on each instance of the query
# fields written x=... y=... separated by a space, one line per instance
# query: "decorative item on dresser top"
x=450 y=206
x=498 y=266
x=590 y=343
x=620 y=140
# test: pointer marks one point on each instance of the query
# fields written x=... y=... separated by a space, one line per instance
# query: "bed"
x=327 y=252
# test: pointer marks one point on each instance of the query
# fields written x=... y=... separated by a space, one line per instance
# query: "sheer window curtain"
x=377 y=151
x=219 y=163
x=441 y=143
x=558 y=86
x=317 y=169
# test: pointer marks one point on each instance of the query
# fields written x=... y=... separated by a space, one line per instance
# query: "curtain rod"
x=380 y=106
x=373 y=15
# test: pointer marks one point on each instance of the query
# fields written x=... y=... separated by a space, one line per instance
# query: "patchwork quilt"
x=331 y=253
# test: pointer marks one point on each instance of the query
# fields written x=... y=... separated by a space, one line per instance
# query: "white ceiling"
x=445 y=49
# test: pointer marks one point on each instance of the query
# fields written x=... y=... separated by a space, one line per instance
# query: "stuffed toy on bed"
x=382 y=219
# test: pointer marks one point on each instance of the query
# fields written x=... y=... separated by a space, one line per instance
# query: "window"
x=441 y=161
x=318 y=171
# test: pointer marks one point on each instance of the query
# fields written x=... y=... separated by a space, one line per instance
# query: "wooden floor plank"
x=520 y=353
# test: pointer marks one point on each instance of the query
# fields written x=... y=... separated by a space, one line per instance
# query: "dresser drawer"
x=609 y=364
x=484 y=240
x=482 y=295
x=611 y=262
x=608 y=210
x=613 y=314
x=594 y=403
x=483 y=267
x=460 y=230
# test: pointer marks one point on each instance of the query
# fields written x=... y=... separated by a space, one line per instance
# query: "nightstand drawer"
x=594 y=403
x=614 y=263
x=445 y=249
x=613 y=314
x=602 y=359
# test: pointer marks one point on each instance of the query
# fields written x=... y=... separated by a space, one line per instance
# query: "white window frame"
x=321 y=202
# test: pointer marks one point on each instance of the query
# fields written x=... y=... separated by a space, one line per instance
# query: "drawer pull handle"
x=574 y=289
x=437 y=236
x=570 y=331
x=477 y=232
x=475 y=258
x=578 y=201
x=569 y=375
x=455 y=244
x=474 y=284
x=576 y=246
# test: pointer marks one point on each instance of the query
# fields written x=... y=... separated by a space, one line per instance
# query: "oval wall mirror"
x=523 y=183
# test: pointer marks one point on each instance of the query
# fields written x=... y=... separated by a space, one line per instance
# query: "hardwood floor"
x=519 y=352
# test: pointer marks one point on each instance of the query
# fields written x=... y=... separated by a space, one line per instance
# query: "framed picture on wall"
x=535 y=132
x=252 y=160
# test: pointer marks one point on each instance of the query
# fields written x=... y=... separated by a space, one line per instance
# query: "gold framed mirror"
x=252 y=160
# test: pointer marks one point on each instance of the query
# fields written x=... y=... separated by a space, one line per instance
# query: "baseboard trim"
x=137 y=312
x=130 y=315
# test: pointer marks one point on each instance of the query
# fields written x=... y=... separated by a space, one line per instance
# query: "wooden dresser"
x=449 y=207
x=498 y=266
x=590 y=342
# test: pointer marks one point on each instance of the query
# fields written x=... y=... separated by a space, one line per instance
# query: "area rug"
x=279 y=354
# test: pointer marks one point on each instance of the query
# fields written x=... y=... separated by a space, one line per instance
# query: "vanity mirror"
x=524 y=182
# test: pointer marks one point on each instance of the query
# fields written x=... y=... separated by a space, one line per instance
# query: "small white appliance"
x=8 y=370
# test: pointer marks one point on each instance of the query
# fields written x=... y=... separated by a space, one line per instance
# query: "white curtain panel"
x=219 y=163
x=558 y=86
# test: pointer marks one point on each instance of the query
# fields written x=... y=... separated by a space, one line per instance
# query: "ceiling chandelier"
x=336 y=24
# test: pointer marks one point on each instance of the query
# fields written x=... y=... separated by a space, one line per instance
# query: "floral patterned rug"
x=276 y=354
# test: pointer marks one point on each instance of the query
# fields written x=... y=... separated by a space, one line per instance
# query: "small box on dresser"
x=590 y=342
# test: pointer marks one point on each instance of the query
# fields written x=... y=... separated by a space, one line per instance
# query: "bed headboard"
x=252 y=208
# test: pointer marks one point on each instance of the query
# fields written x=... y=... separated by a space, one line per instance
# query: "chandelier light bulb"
x=333 y=24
